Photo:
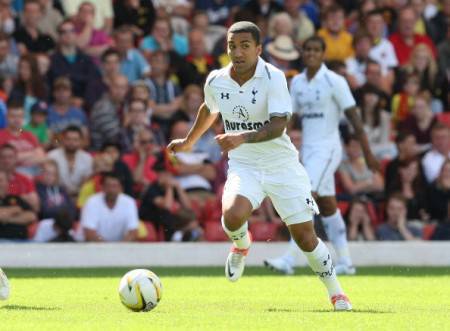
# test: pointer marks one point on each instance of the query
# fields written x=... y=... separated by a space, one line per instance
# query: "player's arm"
x=352 y=115
x=203 y=122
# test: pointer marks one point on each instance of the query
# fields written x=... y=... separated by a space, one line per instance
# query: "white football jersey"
x=249 y=107
x=321 y=103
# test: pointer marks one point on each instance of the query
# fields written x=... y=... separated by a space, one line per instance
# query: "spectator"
x=359 y=224
x=110 y=67
x=74 y=164
x=374 y=80
x=407 y=148
x=29 y=152
x=141 y=90
x=279 y=24
x=219 y=13
x=15 y=213
x=193 y=170
x=213 y=33
x=192 y=100
x=440 y=150
x=338 y=41
x=356 y=64
x=377 y=123
x=282 y=53
x=8 y=18
x=143 y=158
x=396 y=226
x=168 y=207
x=120 y=168
x=103 y=13
x=438 y=194
x=436 y=25
x=405 y=39
x=164 y=93
x=19 y=184
x=71 y=62
x=354 y=174
x=444 y=69
x=132 y=64
x=53 y=197
x=403 y=101
x=57 y=229
x=62 y=114
x=420 y=120
x=137 y=121
x=303 y=26
x=410 y=182
x=102 y=163
x=90 y=40
x=140 y=14
x=108 y=112
x=30 y=85
x=8 y=60
x=50 y=19
x=263 y=8
x=28 y=36
x=110 y=215
x=38 y=123
x=382 y=50
x=164 y=39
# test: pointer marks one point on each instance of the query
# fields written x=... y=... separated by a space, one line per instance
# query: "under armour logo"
x=309 y=201
x=225 y=95
x=254 y=95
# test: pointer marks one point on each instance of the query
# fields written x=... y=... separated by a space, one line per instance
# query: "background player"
x=253 y=99
x=4 y=286
x=321 y=96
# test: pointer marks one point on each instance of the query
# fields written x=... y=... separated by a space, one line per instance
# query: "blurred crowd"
x=92 y=91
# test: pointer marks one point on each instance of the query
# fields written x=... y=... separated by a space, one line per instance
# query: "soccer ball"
x=140 y=290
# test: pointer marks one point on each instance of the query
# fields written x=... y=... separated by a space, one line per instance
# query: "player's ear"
x=258 y=49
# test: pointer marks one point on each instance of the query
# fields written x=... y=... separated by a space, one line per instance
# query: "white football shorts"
x=287 y=186
x=321 y=163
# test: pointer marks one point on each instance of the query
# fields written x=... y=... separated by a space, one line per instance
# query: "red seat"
x=444 y=118
x=343 y=206
x=147 y=232
x=31 y=229
x=263 y=231
x=428 y=231
x=214 y=232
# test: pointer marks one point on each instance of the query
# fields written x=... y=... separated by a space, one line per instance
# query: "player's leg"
x=4 y=286
x=242 y=194
x=319 y=259
x=336 y=231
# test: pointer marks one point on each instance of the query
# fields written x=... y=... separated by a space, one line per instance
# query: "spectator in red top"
x=18 y=184
x=143 y=158
x=405 y=38
x=29 y=152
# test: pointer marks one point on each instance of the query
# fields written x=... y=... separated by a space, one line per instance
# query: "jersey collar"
x=319 y=73
x=259 y=72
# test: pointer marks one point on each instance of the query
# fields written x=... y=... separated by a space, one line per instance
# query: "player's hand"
x=229 y=141
x=179 y=145
x=373 y=163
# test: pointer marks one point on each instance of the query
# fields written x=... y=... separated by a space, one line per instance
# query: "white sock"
x=336 y=231
x=320 y=262
x=240 y=237
x=292 y=253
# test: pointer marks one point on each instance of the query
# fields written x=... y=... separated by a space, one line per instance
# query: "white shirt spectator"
x=110 y=224
x=432 y=163
x=357 y=69
x=188 y=182
x=72 y=179
x=103 y=10
x=46 y=232
x=384 y=53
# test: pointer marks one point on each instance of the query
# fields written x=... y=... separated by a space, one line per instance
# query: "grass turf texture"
x=202 y=299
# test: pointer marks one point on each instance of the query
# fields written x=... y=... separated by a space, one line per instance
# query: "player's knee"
x=233 y=219
x=327 y=207
x=307 y=241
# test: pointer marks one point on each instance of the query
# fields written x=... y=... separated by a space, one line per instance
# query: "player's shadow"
x=365 y=311
x=23 y=307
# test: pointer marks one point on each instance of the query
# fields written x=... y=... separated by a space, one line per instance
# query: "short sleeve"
x=89 y=214
x=278 y=99
x=210 y=99
x=342 y=94
x=132 y=217
x=294 y=100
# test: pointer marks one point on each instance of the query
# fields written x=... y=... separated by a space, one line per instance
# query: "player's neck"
x=311 y=72
x=242 y=78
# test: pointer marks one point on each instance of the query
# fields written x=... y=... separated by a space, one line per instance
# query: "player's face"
x=243 y=51
x=313 y=54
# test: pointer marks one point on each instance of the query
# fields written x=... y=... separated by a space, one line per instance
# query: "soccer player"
x=254 y=101
x=321 y=96
x=4 y=286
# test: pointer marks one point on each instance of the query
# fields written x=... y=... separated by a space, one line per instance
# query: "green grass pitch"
x=202 y=299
